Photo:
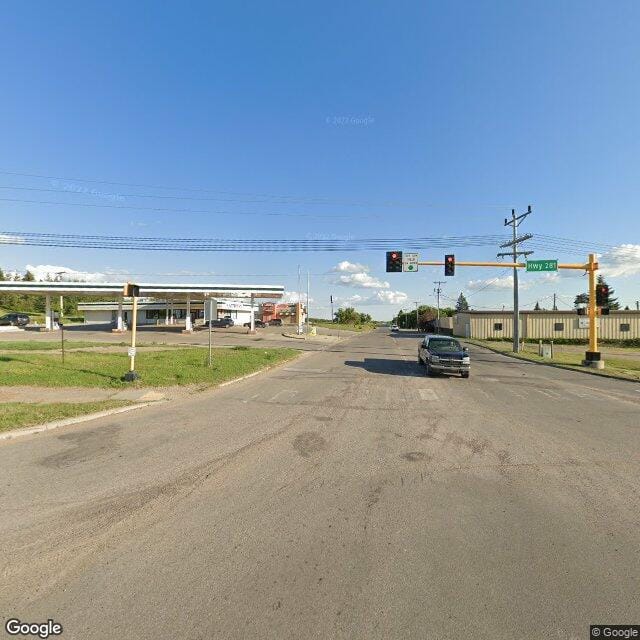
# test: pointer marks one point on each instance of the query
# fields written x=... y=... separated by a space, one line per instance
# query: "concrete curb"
x=56 y=424
x=556 y=365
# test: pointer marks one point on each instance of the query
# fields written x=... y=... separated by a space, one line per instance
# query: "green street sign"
x=542 y=265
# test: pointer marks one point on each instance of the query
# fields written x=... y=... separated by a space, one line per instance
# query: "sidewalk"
x=84 y=394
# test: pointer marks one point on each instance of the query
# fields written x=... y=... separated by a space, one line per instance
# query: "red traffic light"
x=449 y=264
x=394 y=261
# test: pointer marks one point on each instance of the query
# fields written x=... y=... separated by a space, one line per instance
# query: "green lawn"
x=156 y=368
x=627 y=368
x=25 y=414
x=52 y=345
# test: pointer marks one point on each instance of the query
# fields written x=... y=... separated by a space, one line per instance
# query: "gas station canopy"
x=147 y=290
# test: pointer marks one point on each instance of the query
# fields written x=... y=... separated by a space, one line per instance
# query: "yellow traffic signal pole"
x=593 y=358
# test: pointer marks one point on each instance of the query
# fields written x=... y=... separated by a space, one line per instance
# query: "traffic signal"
x=394 y=261
x=449 y=265
x=602 y=295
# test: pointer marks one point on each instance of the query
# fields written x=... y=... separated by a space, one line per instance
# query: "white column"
x=253 y=318
x=119 y=320
x=166 y=318
x=187 y=322
x=48 y=325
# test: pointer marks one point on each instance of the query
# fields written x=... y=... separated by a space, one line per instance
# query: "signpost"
x=542 y=265
x=409 y=261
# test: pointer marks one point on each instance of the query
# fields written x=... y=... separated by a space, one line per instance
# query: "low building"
x=164 y=312
x=290 y=313
x=546 y=325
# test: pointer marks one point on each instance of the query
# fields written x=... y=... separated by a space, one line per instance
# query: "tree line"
x=28 y=303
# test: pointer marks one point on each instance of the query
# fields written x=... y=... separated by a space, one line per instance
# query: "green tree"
x=537 y=307
x=581 y=298
x=461 y=303
x=28 y=277
x=347 y=316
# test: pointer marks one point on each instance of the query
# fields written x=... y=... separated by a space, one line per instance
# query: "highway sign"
x=542 y=265
x=410 y=262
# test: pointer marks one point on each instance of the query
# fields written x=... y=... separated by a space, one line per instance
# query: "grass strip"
x=626 y=369
x=156 y=368
x=15 y=415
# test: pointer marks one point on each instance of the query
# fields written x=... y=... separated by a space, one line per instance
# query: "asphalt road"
x=344 y=495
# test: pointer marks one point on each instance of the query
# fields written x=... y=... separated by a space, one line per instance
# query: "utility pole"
x=307 y=322
x=299 y=329
x=555 y=306
x=416 y=303
x=438 y=291
x=332 y=316
x=514 y=253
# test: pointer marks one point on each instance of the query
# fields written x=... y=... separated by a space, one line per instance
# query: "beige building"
x=546 y=325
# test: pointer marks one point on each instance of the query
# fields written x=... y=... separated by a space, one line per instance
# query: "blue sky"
x=408 y=118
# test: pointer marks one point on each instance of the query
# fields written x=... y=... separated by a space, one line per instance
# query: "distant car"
x=275 y=322
x=443 y=354
x=395 y=327
x=258 y=324
x=220 y=323
x=14 y=320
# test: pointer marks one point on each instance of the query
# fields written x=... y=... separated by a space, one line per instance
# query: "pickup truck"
x=443 y=354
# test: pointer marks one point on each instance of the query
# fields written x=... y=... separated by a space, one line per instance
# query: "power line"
x=305 y=199
x=218 y=244
x=96 y=205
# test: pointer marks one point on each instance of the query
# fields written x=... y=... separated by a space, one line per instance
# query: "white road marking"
x=289 y=391
x=253 y=397
x=549 y=394
x=301 y=370
x=428 y=394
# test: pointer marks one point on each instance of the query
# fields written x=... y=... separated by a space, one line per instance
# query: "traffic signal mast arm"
x=593 y=357
x=510 y=265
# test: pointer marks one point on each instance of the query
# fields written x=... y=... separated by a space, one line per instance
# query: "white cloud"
x=621 y=262
x=53 y=272
x=378 y=298
x=9 y=239
x=294 y=296
x=388 y=297
x=361 y=281
x=350 y=267
x=357 y=275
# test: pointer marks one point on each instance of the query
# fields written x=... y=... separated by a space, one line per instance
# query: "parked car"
x=220 y=323
x=395 y=327
x=275 y=322
x=443 y=354
x=14 y=320
x=258 y=324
